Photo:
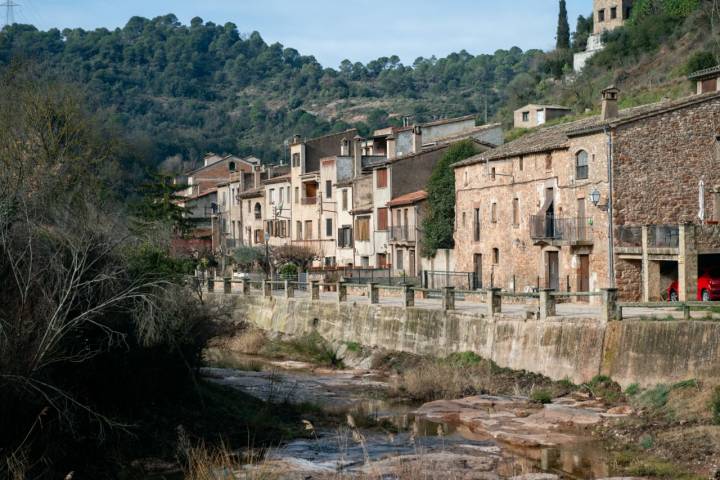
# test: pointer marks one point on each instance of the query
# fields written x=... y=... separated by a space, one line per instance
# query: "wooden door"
x=553 y=271
x=580 y=220
x=413 y=270
x=583 y=276
x=477 y=261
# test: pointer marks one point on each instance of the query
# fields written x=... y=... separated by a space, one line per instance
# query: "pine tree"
x=563 y=29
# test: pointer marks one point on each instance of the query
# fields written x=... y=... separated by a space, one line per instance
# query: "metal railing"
x=309 y=200
x=629 y=236
x=368 y=161
x=573 y=230
x=664 y=236
x=404 y=233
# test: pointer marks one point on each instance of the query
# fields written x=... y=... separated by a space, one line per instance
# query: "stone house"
x=278 y=209
x=607 y=16
x=531 y=116
x=576 y=207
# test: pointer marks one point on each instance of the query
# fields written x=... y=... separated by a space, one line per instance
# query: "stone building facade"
x=534 y=213
x=607 y=15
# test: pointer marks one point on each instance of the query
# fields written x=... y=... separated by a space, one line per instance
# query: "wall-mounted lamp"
x=595 y=199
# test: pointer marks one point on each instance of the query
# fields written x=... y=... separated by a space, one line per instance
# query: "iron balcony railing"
x=664 y=236
x=404 y=233
x=549 y=228
x=309 y=200
x=369 y=161
x=629 y=236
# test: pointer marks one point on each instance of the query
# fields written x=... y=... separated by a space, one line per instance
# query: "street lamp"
x=267 y=254
x=595 y=197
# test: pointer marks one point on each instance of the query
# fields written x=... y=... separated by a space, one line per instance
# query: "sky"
x=359 y=30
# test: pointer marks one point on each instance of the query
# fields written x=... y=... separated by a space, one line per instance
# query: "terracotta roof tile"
x=408 y=198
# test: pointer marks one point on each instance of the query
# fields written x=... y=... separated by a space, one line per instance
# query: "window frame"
x=582 y=171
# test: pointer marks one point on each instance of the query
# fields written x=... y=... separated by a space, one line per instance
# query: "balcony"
x=309 y=200
x=369 y=161
x=404 y=233
x=560 y=231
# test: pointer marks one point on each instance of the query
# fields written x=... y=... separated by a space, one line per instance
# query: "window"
x=493 y=212
x=476 y=225
x=613 y=13
x=521 y=163
x=365 y=262
x=258 y=212
x=465 y=178
x=463 y=219
x=297 y=194
x=628 y=11
x=345 y=239
x=344 y=200
x=525 y=116
x=328 y=227
x=269 y=228
x=295 y=159
x=382 y=219
x=232 y=166
x=249 y=207
x=492 y=174
x=362 y=229
x=382 y=177
x=581 y=165
x=601 y=15
x=398 y=218
x=259 y=237
x=548 y=161
x=516 y=212
x=496 y=256
x=328 y=189
x=399 y=259
x=308 y=230
x=287 y=191
x=298 y=230
x=272 y=196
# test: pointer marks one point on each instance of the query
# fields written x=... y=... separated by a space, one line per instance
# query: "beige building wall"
x=610 y=14
x=509 y=257
x=278 y=209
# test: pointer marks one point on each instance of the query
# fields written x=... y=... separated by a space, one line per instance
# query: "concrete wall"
x=641 y=352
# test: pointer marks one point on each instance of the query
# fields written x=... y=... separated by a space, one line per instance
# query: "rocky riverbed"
x=480 y=437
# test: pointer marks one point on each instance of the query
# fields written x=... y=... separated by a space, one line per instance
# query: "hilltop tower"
x=607 y=16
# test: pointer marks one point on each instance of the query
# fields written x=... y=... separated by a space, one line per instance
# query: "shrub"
x=541 y=396
x=700 y=61
x=464 y=359
x=632 y=390
x=715 y=405
x=655 y=397
x=288 y=270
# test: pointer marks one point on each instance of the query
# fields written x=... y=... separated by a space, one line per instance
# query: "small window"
x=362 y=229
x=344 y=200
x=516 y=212
x=308 y=230
x=382 y=260
x=548 y=161
x=272 y=196
x=382 y=177
x=492 y=174
x=613 y=13
x=493 y=212
x=476 y=225
x=328 y=227
x=465 y=178
x=232 y=166
x=297 y=194
x=287 y=191
x=525 y=116
x=258 y=211
x=601 y=15
x=382 y=219
x=399 y=257
x=463 y=219
x=328 y=189
x=581 y=165
x=496 y=256
x=521 y=163
x=298 y=230
x=295 y=159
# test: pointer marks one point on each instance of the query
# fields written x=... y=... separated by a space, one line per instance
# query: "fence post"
x=267 y=288
x=227 y=285
x=609 y=304
x=246 y=286
x=409 y=295
x=373 y=293
x=342 y=291
x=494 y=301
x=211 y=284
x=314 y=290
x=448 y=298
x=289 y=289
x=547 y=304
x=686 y=312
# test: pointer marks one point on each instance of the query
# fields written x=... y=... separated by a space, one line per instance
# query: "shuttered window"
x=382 y=177
x=382 y=222
x=362 y=229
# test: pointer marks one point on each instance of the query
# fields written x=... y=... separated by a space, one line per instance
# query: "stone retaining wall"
x=644 y=352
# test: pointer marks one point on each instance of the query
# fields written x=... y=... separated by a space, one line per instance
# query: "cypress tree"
x=563 y=29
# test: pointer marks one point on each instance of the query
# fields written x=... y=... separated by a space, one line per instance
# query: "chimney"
x=391 y=147
x=296 y=139
x=257 y=176
x=417 y=139
x=344 y=148
x=610 y=103
x=357 y=154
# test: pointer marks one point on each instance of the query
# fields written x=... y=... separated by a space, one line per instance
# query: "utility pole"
x=10 y=6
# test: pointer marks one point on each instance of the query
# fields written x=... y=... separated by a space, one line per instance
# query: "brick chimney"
x=257 y=176
x=610 y=103
x=357 y=155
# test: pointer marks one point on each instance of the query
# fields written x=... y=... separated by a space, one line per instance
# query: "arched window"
x=232 y=166
x=581 y=165
x=258 y=211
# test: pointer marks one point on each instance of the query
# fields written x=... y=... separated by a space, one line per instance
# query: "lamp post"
x=267 y=254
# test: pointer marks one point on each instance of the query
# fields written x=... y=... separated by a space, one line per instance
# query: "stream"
x=483 y=437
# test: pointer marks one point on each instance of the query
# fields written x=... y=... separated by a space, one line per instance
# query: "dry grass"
x=249 y=341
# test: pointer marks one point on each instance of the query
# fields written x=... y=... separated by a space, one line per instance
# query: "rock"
x=621 y=410
x=342 y=351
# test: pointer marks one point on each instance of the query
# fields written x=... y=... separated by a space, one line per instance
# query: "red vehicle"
x=708 y=287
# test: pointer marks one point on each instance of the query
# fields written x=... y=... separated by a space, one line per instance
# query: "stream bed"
x=482 y=437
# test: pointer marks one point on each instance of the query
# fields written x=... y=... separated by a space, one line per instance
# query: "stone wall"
x=641 y=352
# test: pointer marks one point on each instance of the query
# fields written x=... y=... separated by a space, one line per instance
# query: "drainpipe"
x=611 y=242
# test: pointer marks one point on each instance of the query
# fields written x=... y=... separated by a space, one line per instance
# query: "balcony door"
x=550 y=213
x=583 y=276
x=580 y=219
x=477 y=270
x=411 y=263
